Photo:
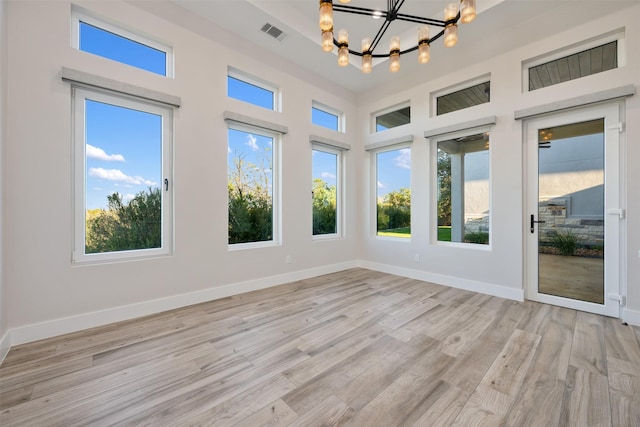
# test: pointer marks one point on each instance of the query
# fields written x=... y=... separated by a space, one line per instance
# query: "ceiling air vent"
x=274 y=32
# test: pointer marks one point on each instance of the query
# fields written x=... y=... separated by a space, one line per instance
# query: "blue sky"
x=124 y=158
x=393 y=170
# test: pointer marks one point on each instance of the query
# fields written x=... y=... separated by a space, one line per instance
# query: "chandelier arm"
x=427 y=21
x=378 y=37
x=359 y=10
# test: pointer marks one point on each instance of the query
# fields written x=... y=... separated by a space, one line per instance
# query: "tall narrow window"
x=111 y=42
x=252 y=187
x=463 y=189
x=326 y=190
x=393 y=201
x=123 y=166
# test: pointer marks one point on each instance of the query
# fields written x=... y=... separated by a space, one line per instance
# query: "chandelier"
x=465 y=13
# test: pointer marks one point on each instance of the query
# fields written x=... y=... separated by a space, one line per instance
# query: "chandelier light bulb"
x=367 y=64
x=394 y=63
x=327 y=41
x=451 y=36
x=467 y=11
x=326 y=15
x=451 y=11
x=424 y=53
x=343 y=50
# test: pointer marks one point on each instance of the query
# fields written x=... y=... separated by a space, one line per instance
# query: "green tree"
x=126 y=226
x=250 y=202
x=394 y=210
x=324 y=207
x=444 y=188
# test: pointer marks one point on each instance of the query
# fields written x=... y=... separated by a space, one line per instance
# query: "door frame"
x=613 y=215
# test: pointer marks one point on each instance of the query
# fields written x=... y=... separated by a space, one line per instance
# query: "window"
x=463 y=98
x=106 y=40
x=326 y=190
x=249 y=89
x=463 y=189
x=252 y=185
x=397 y=116
x=122 y=170
x=393 y=196
x=326 y=117
x=580 y=64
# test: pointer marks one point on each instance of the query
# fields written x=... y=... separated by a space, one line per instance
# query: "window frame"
x=259 y=83
x=331 y=111
x=80 y=94
x=434 y=187
x=339 y=190
x=591 y=43
x=78 y=16
x=374 y=180
x=374 y=116
x=276 y=195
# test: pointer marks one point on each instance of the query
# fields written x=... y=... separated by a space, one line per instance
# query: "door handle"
x=534 y=222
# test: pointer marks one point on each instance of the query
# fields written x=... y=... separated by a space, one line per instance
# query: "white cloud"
x=99 y=154
x=327 y=175
x=381 y=185
x=128 y=196
x=404 y=159
x=119 y=176
x=252 y=142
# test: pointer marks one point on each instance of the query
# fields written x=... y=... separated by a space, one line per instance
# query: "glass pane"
x=571 y=204
x=325 y=175
x=112 y=46
x=395 y=118
x=465 y=98
x=463 y=189
x=123 y=198
x=393 y=170
x=250 y=186
x=581 y=64
x=247 y=92
x=322 y=118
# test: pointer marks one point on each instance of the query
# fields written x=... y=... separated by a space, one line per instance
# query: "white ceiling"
x=500 y=25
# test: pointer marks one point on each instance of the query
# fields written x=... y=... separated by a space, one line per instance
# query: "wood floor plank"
x=357 y=347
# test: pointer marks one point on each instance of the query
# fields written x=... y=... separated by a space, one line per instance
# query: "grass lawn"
x=444 y=233
x=396 y=232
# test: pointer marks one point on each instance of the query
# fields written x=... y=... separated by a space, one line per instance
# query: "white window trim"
x=435 y=139
x=276 y=184
x=79 y=95
x=374 y=188
x=262 y=84
x=602 y=39
x=386 y=110
x=340 y=186
x=455 y=88
x=80 y=15
x=332 y=111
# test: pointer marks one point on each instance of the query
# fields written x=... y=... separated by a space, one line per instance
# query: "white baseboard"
x=5 y=345
x=52 y=328
x=632 y=317
x=441 y=279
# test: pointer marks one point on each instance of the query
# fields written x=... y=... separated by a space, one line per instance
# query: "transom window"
x=122 y=169
x=463 y=98
x=109 y=41
x=252 y=90
x=393 y=117
x=327 y=117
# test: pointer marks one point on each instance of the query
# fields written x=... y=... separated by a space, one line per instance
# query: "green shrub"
x=566 y=243
x=478 y=237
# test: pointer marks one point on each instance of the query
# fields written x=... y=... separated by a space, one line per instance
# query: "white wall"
x=498 y=269
x=48 y=294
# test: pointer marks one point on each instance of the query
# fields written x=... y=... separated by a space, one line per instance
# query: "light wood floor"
x=356 y=348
